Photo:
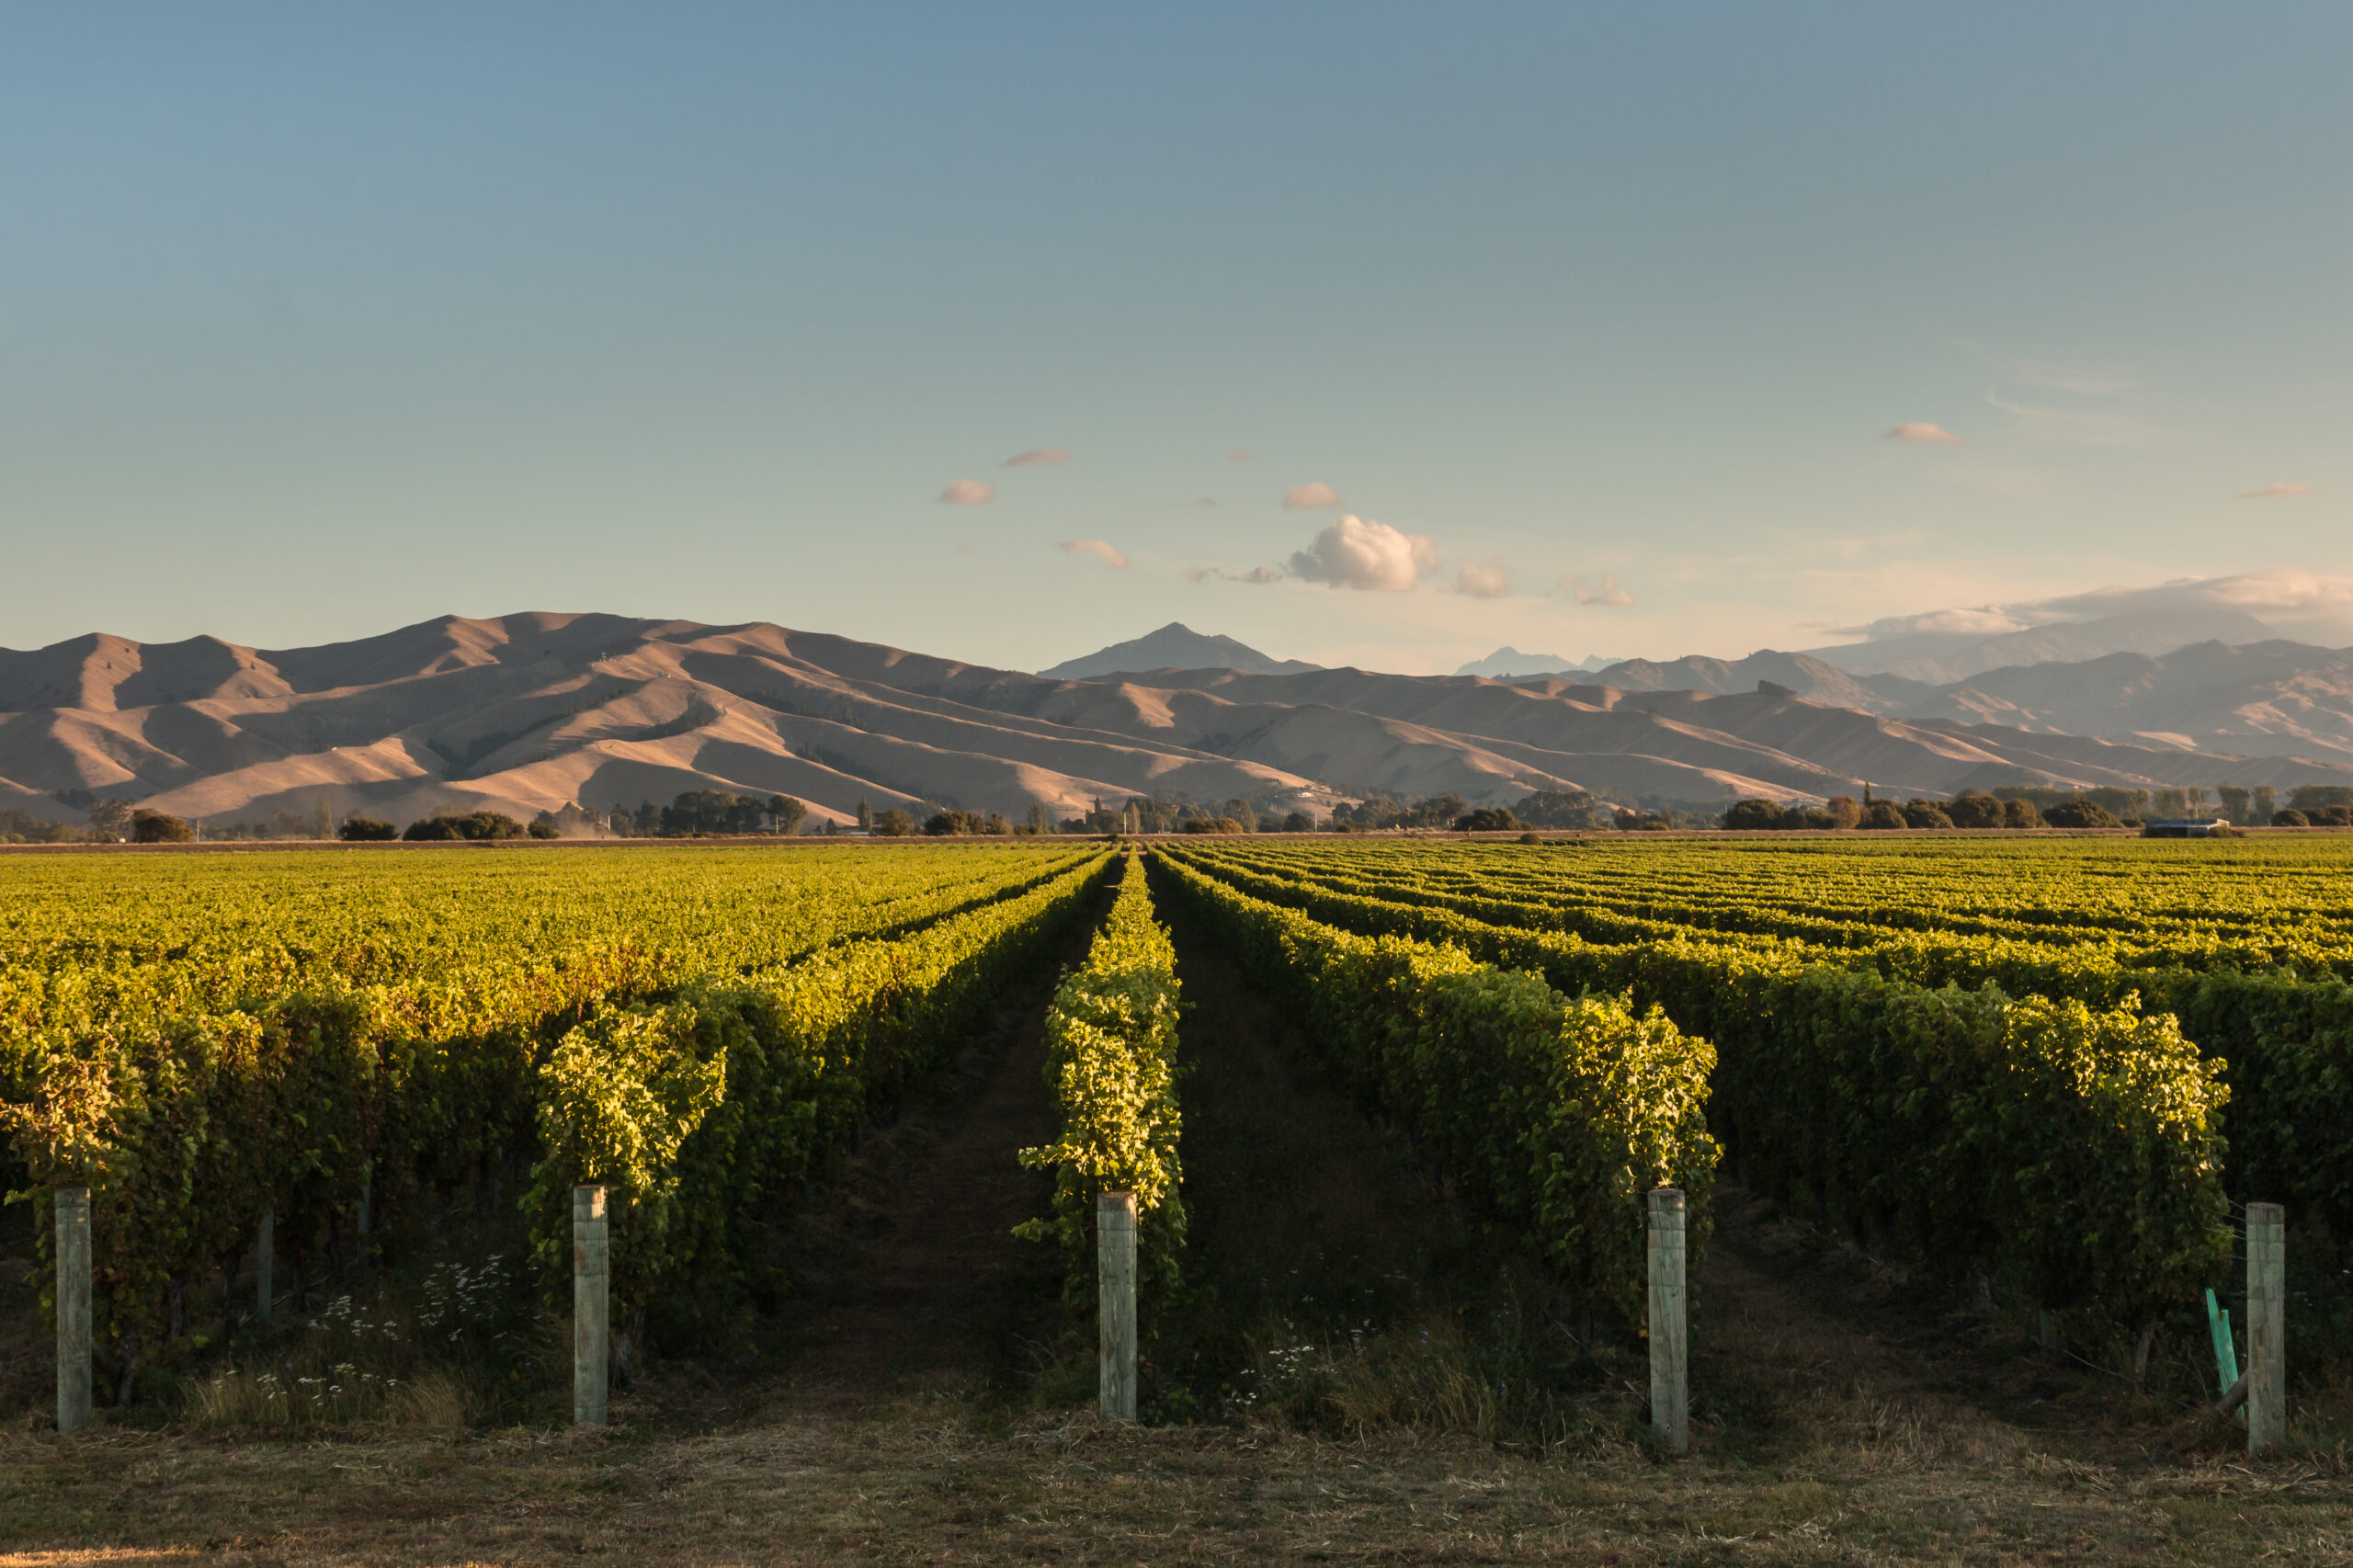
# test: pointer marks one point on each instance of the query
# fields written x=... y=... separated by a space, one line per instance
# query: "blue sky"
x=313 y=325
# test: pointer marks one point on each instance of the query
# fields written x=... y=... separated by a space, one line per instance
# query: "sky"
x=1364 y=332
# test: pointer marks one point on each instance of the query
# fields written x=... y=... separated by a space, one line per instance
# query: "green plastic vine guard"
x=2226 y=1354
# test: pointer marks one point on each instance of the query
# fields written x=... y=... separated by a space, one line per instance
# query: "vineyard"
x=341 y=1042
x=2195 y=997
x=2045 y=1074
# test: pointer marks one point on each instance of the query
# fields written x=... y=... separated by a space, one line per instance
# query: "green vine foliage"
x=619 y=1095
x=2280 y=1034
x=2073 y=1147
x=1559 y=1113
x=189 y=1096
x=1112 y=1038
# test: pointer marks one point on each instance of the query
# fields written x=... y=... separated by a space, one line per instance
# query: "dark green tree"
x=158 y=827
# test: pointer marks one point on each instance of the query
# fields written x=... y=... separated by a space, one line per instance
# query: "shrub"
x=1843 y=810
x=1925 y=813
x=155 y=828
x=896 y=823
x=366 y=830
x=2080 y=813
x=1754 y=813
x=1882 y=815
x=1975 y=811
x=472 y=827
x=945 y=822
x=1561 y=808
x=1209 y=824
x=1487 y=819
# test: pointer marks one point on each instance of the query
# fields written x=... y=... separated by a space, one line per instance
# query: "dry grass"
x=926 y=1478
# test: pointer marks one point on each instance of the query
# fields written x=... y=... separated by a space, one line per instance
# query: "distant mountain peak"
x=1176 y=646
x=1508 y=662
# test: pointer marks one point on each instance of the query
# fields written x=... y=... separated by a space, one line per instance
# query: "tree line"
x=2027 y=805
x=721 y=813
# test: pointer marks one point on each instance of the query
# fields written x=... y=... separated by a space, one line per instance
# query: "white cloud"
x=1242 y=455
x=1355 y=552
x=1098 y=549
x=968 y=493
x=1038 y=457
x=1605 y=592
x=1483 y=582
x=1921 y=431
x=1308 y=497
x=2279 y=492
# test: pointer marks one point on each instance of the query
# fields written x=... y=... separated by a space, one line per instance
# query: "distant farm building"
x=2184 y=827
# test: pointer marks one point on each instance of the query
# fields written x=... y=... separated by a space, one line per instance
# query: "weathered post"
x=1115 y=1273
x=1670 y=1333
x=73 y=1307
x=2267 y=1326
x=592 y=1314
x=265 y=1257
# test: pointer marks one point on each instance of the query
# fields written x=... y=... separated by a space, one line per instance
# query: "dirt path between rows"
x=908 y=1275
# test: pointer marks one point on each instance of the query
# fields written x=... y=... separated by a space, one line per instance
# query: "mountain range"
x=525 y=713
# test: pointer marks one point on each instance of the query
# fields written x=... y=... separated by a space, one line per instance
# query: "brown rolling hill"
x=528 y=712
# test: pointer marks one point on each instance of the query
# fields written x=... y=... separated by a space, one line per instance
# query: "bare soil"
x=913 y=1404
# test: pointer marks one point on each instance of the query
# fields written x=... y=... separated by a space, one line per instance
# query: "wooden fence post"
x=265 y=1261
x=73 y=1307
x=1670 y=1331
x=592 y=1305
x=2267 y=1326
x=1115 y=1274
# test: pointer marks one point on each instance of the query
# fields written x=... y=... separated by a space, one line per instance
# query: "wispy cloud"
x=1098 y=549
x=968 y=493
x=2079 y=427
x=1605 y=592
x=2276 y=492
x=2081 y=381
x=1201 y=501
x=1308 y=497
x=1242 y=455
x=1483 y=582
x=1357 y=552
x=2289 y=599
x=1981 y=620
x=1921 y=431
x=1038 y=457
x=1256 y=574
